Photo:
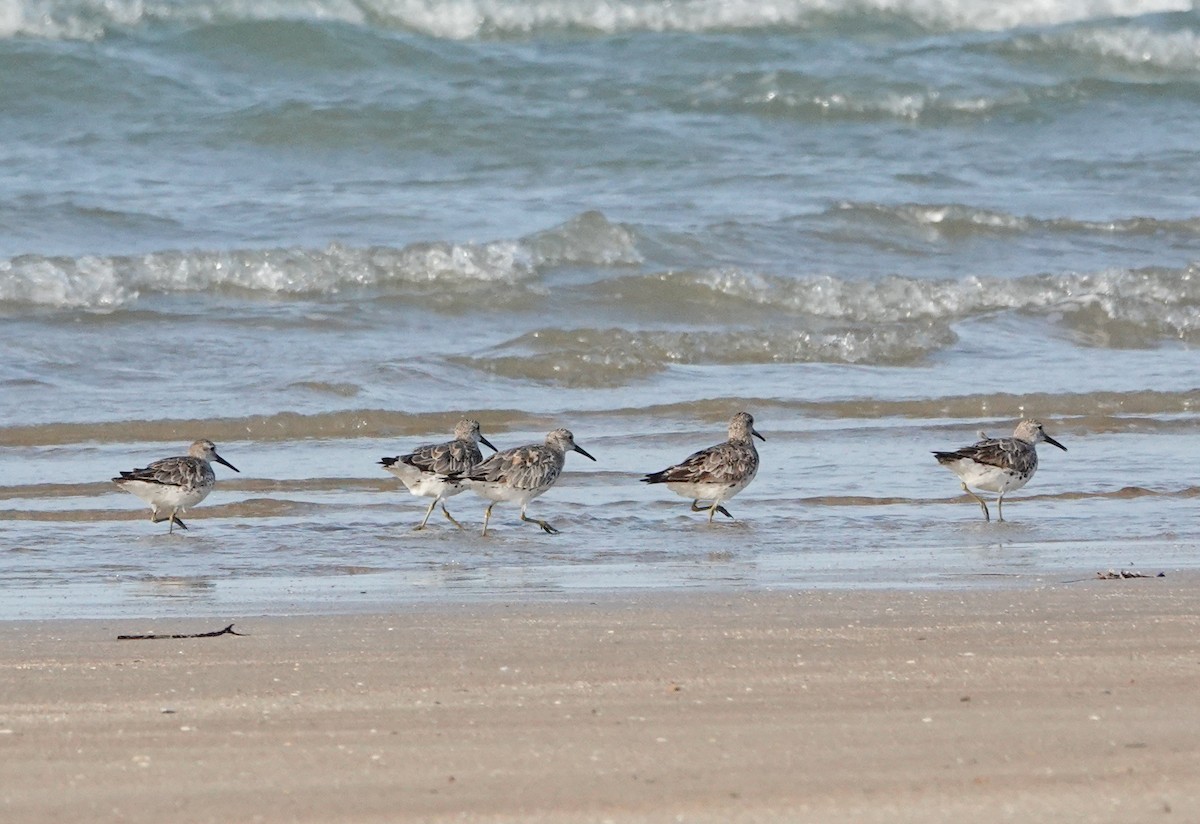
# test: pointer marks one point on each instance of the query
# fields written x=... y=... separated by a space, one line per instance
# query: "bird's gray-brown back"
x=1012 y=454
x=183 y=471
x=187 y=471
x=533 y=466
x=454 y=456
x=729 y=462
x=524 y=467
x=1016 y=454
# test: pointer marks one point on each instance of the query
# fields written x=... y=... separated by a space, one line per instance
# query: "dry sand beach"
x=1052 y=703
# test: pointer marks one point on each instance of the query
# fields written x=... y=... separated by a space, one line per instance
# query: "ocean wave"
x=835 y=318
x=759 y=317
x=99 y=282
x=465 y=19
x=1141 y=411
x=613 y=357
x=281 y=426
x=93 y=19
x=954 y=220
x=1129 y=47
x=922 y=105
x=811 y=99
x=1162 y=302
x=807 y=97
x=893 y=321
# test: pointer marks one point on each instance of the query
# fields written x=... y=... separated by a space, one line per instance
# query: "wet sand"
x=1033 y=704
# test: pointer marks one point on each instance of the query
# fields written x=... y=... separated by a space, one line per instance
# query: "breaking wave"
x=1131 y=47
x=1131 y=307
x=463 y=19
x=99 y=282
x=658 y=318
x=895 y=321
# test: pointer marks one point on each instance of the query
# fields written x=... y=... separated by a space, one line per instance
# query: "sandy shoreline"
x=1063 y=703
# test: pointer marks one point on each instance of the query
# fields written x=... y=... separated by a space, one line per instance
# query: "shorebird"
x=174 y=484
x=521 y=474
x=424 y=470
x=717 y=473
x=999 y=465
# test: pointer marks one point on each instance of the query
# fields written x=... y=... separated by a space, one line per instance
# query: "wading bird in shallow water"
x=521 y=474
x=424 y=470
x=172 y=485
x=717 y=473
x=999 y=465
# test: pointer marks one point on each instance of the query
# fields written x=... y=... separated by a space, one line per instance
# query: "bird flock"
x=710 y=476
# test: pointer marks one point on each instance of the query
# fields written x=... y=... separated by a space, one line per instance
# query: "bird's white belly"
x=505 y=493
x=167 y=497
x=425 y=484
x=989 y=478
x=709 y=491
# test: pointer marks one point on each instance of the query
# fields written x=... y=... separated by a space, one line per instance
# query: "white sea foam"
x=1164 y=303
x=1133 y=46
x=462 y=19
x=100 y=282
x=105 y=282
x=89 y=19
x=470 y=18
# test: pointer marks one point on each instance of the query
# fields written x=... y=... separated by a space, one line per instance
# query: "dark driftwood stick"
x=227 y=631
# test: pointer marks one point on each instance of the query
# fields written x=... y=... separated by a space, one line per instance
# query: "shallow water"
x=319 y=233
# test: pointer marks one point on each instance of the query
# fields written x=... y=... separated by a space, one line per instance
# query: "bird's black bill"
x=1050 y=440
x=583 y=452
x=221 y=460
x=487 y=443
x=756 y=434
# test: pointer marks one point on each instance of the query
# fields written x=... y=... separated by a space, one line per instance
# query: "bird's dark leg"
x=711 y=510
x=715 y=508
x=450 y=517
x=549 y=529
x=987 y=516
x=487 y=514
x=425 y=520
